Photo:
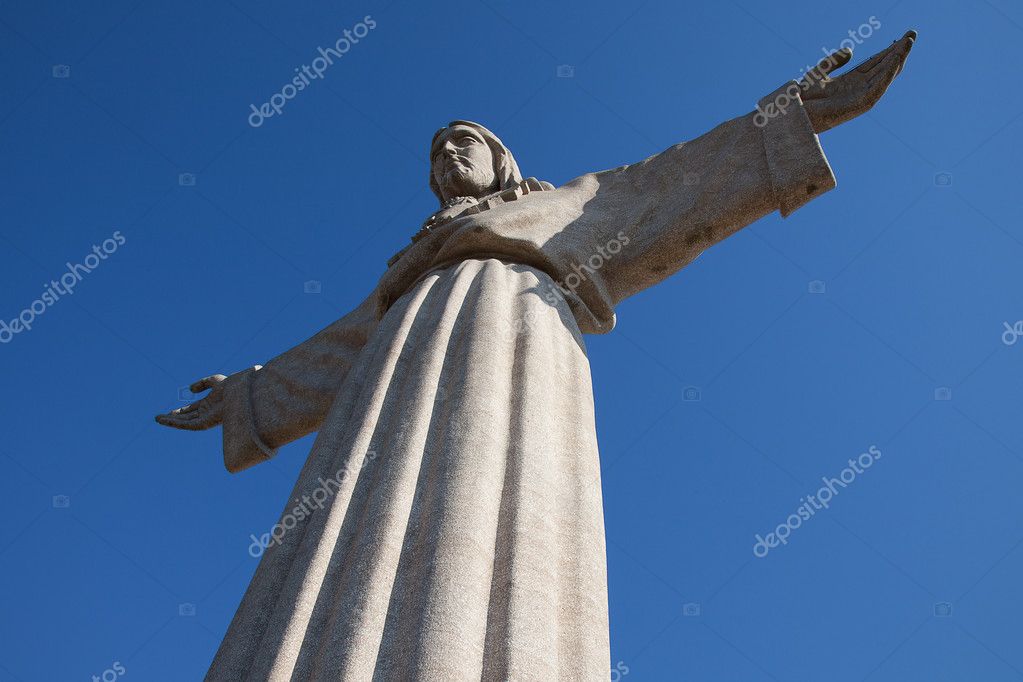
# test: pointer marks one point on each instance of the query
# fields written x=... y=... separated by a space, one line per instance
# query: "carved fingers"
x=202 y=414
x=206 y=382
x=830 y=102
x=815 y=80
x=899 y=48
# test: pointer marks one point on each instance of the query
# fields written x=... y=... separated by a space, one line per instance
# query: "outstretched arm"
x=656 y=216
x=265 y=407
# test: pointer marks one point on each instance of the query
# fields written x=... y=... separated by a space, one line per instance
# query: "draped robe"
x=452 y=525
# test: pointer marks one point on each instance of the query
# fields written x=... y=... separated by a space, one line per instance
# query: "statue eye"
x=466 y=140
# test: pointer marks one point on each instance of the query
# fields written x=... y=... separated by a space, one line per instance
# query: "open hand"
x=832 y=101
x=204 y=413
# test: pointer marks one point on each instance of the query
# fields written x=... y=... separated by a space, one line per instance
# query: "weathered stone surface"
x=447 y=524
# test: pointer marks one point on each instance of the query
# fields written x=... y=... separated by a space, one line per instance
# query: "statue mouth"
x=450 y=160
x=457 y=167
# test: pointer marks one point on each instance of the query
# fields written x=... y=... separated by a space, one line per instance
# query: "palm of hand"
x=833 y=101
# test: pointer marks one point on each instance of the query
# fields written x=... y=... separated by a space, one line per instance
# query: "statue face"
x=463 y=164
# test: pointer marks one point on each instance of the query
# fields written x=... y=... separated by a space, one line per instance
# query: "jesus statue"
x=448 y=523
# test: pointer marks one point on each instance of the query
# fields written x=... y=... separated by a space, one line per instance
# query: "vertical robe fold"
x=447 y=524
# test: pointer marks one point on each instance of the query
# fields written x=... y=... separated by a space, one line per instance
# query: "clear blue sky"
x=920 y=272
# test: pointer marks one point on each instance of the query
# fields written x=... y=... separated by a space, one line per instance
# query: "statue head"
x=467 y=160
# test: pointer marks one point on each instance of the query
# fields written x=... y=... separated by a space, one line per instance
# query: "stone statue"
x=447 y=524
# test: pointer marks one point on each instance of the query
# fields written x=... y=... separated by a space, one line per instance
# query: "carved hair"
x=505 y=168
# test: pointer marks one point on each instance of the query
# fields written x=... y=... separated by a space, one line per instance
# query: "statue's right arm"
x=264 y=407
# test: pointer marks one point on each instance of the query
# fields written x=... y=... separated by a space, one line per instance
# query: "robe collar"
x=465 y=206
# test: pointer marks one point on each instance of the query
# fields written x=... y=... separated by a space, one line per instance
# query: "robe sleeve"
x=268 y=406
x=652 y=218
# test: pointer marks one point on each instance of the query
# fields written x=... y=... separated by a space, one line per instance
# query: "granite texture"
x=447 y=524
x=471 y=546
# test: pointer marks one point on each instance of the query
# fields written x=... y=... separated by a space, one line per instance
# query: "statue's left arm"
x=266 y=406
x=652 y=218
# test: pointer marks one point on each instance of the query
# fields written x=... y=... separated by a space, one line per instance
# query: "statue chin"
x=467 y=184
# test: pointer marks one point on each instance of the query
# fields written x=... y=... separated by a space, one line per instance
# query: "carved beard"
x=462 y=179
